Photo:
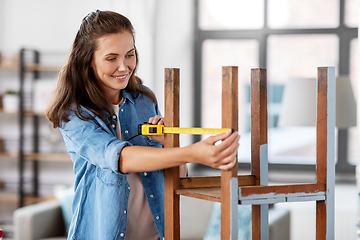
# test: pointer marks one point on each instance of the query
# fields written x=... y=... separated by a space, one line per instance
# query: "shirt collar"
x=128 y=95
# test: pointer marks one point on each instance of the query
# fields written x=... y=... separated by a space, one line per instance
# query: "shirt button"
x=122 y=110
x=125 y=212
x=151 y=196
x=113 y=126
x=121 y=234
x=114 y=116
x=145 y=174
x=157 y=217
x=129 y=188
x=126 y=131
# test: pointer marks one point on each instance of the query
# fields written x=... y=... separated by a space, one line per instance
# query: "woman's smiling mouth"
x=120 y=77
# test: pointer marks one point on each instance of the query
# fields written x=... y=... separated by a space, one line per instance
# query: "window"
x=230 y=14
x=297 y=56
x=303 y=14
x=291 y=38
x=352 y=13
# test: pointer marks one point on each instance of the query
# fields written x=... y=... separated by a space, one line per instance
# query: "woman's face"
x=114 y=62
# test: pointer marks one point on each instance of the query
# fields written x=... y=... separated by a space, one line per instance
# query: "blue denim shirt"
x=99 y=209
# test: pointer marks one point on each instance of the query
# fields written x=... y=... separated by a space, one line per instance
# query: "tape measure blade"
x=173 y=130
x=195 y=131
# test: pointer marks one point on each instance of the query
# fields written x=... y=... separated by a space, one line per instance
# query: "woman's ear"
x=92 y=63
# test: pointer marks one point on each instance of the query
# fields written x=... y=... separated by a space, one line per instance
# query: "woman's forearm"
x=208 y=152
x=142 y=159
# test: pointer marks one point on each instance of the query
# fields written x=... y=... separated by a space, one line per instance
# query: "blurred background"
x=290 y=38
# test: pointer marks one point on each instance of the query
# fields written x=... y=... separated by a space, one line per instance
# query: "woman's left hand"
x=157 y=120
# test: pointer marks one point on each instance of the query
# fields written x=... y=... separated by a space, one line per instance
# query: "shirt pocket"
x=109 y=178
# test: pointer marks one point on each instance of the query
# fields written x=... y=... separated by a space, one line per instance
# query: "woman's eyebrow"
x=109 y=54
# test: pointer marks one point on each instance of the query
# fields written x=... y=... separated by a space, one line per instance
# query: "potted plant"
x=11 y=101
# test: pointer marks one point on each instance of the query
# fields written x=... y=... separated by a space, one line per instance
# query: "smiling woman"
x=98 y=104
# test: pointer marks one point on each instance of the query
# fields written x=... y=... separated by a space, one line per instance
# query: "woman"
x=98 y=104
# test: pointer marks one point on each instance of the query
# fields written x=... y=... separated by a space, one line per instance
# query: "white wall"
x=42 y=24
x=174 y=46
x=164 y=38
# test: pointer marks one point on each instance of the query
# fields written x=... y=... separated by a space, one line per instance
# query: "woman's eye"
x=130 y=55
x=111 y=59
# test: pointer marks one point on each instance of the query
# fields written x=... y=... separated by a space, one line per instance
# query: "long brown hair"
x=77 y=84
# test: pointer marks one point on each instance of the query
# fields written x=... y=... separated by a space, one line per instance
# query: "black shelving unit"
x=30 y=64
x=35 y=60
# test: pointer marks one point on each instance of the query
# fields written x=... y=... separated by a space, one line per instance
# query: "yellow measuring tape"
x=148 y=129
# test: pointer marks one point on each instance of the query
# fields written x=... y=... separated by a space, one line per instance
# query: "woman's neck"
x=116 y=98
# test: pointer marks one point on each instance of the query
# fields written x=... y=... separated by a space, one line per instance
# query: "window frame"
x=344 y=33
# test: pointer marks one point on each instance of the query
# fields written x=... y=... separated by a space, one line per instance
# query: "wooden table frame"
x=231 y=189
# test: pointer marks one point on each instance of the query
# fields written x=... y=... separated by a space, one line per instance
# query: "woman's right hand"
x=221 y=156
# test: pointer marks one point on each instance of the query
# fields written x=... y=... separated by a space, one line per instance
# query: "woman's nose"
x=122 y=66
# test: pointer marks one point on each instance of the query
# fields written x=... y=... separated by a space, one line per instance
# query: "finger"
x=157 y=119
x=219 y=137
x=228 y=162
x=228 y=154
x=230 y=151
x=154 y=120
x=162 y=121
x=228 y=166
x=232 y=139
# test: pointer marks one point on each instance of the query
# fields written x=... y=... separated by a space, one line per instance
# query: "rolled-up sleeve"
x=93 y=142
